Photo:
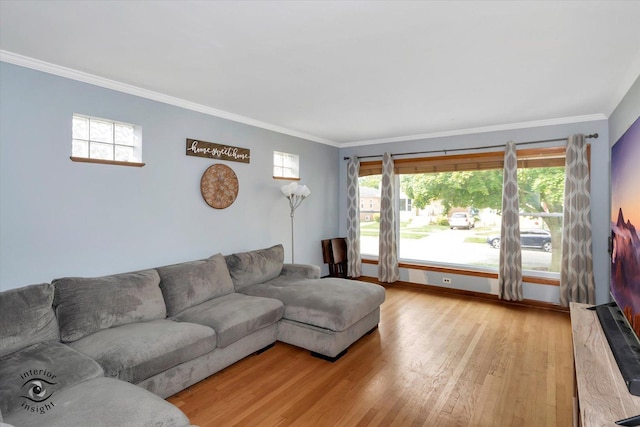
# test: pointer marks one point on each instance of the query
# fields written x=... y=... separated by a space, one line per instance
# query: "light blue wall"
x=626 y=113
x=61 y=218
x=599 y=197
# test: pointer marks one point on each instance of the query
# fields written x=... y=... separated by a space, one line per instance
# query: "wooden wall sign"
x=210 y=150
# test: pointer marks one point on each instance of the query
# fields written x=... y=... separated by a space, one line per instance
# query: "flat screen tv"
x=621 y=319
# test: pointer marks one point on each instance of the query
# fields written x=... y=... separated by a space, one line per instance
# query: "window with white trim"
x=105 y=140
x=286 y=165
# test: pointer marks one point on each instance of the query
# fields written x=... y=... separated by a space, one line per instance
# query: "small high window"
x=286 y=166
x=104 y=141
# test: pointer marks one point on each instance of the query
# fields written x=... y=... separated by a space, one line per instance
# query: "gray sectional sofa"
x=105 y=351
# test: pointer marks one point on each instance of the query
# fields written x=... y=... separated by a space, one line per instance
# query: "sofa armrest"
x=303 y=271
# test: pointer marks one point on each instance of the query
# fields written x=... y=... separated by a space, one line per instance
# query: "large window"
x=449 y=210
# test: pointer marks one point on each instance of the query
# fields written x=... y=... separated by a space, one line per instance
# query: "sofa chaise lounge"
x=111 y=348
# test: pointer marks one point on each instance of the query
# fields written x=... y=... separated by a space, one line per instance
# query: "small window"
x=105 y=141
x=286 y=165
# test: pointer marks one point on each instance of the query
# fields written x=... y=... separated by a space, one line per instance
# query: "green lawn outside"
x=475 y=239
x=408 y=232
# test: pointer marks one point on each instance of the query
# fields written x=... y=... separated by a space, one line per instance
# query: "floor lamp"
x=296 y=194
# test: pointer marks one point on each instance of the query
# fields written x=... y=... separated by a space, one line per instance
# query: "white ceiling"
x=344 y=72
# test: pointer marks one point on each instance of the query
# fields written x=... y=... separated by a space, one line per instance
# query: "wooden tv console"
x=600 y=395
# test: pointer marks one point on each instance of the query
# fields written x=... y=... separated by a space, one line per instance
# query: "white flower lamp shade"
x=303 y=191
x=288 y=189
x=296 y=194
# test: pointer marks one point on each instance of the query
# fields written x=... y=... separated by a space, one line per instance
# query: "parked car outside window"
x=540 y=239
x=461 y=220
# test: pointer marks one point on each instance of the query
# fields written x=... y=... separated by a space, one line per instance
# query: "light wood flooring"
x=435 y=360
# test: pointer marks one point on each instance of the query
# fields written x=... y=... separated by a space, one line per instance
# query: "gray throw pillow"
x=190 y=283
x=88 y=305
x=250 y=268
x=27 y=317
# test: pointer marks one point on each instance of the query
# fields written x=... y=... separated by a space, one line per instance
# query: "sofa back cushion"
x=259 y=266
x=88 y=305
x=27 y=317
x=190 y=283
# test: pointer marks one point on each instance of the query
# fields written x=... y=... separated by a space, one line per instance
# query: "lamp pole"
x=296 y=194
x=292 y=214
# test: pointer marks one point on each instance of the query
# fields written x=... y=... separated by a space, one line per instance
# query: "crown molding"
x=47 y=67
x=36 y=64
x=484 y=129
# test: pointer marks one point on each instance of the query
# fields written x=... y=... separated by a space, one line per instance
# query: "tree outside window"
x=425 y=234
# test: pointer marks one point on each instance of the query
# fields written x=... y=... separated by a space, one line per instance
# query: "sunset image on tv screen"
x=625 y=223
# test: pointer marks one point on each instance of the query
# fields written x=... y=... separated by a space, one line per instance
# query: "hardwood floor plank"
x=435 y=360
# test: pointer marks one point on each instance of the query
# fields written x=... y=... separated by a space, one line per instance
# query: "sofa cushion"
x=88 y=305
x=234 y=316
x=331 y=303
x=27 y=317
x=103 y=402
x=300 y=271
x=55 y=365
x=190 y=283
x=249 y=268
x=137 y=351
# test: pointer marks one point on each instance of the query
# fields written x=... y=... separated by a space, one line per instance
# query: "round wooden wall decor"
x=219 y=186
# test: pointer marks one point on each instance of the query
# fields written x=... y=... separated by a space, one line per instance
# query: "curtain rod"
x=445 y=151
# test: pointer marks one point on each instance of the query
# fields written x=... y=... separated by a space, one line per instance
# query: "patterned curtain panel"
x=354 y=263
x=576 y=271
x=388 y=270
x=510 y=268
